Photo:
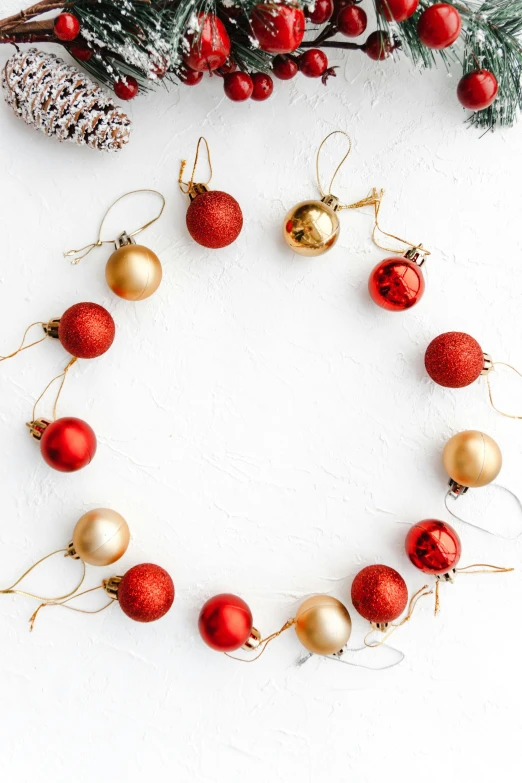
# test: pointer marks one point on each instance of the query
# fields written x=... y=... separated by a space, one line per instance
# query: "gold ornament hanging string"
x=12 y=590
x=187 y=187
x=425 y=590
x=22 y=346
x=265 y=642
x=63 y=603
x=63 y=376
x=474 y=568
x=490 y=391
x=84 y=251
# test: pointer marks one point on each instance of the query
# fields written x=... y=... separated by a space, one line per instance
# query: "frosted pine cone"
x=62 y=102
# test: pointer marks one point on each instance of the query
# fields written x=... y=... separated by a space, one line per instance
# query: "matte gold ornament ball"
x=101 y=537
x=133 y=272
x=311 y=228
x=472 y=458
x=323 y=625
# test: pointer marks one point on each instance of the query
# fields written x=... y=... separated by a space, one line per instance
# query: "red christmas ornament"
x=433 y=546
x=396 y=283
x=86 y=330
x=284 y=67
x=313 y=63
x=379 y=594
x=352 y=21
x=225 y=622
x=66 y=27
x=126 y=89
x=81 y=51
x=209 y=46
x=214 y=219
x=146 y=593
x=263 y=86
x=477 y=90
x=454 y=359
x=279 y=29
x=67 y=444
x=190 y=77
x=238 y=86
x=323 y=10
x=379 y=45
x=398 y=10
x=439 y=26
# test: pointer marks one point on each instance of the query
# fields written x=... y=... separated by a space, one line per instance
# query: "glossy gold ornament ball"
x=133 y=272
x=101 y=537
x=472 y=458
x=311 y=228
x=323 y=625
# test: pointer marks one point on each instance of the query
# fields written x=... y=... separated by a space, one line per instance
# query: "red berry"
x=439 y=26
x=126 y=89
x=284 y=67
x=477 y=90
x=278 y=28
x=66 y=27
x=398 y=10
x=263 y=86
x=190 y=77
x=352 y=21
x=81 y=52
x=378 y=45
x=313 y=63
x=229 y=67
x=323 y=11
x=238 y=86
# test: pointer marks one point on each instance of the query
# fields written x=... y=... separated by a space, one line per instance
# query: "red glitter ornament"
x=68 y=444
x=477 y=90
x=352 y=21
x=398 y=10
x=146 y=593
x=379 y=594
x=454 y=359
x=396 y=284
x=225 y=622
x=439 y=26
x=66 y=27
x=214 y=219
x=209 y=46
x=279 y=29
x=86 y=330
x=433 y=546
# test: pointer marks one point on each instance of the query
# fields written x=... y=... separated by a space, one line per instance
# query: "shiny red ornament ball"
x=378 y=45
x=214 y=219
x=209 y=46
x=379 y=594
x=323 y=10
x=225 y=622
x=126 y=89
x=238 y=86
x=86 y=330
x=396 y=284
x=398 y=10
x=439 y=26
x=68 y=444
x=477 y=90
x=454 y=359
x=313 y=63
x=352 y=21
x=146 y=593
x=285 y=67
x=82 y=52
x=279 y=29
x=433 y=546
x=263 y=86
x=190 y=77
x=66 y=27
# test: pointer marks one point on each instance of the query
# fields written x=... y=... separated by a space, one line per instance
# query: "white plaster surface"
x=265 y=430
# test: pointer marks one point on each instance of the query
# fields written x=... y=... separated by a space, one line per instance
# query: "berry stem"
x=331 y=45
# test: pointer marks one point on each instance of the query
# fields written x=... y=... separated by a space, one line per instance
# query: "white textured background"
x=265 y=430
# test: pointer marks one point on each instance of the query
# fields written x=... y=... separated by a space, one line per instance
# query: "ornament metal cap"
x=51 y=328
x=111 y=586
x=382 y=627
x=331 y=201
x=449 y=576
x=196 y=189
x=37 y=427
x=123 y=240
x=71 y=552
x=488 y=364
x=416 y=254
x=253 y=641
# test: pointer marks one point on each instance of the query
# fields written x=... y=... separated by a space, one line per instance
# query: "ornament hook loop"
x=191 y=188
x=317 y=160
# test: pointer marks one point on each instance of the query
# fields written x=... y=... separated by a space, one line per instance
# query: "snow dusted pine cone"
x=62 y=102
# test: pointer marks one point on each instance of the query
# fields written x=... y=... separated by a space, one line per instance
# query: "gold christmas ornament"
x=133 y=271
x=100 y=537
x=471 y=459
x=323 y=625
